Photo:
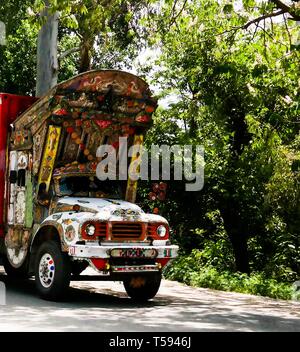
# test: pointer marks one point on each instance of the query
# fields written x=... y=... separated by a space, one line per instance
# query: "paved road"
x=104 y=306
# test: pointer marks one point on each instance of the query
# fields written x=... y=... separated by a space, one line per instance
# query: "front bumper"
x=125 y=252
x=104 y=252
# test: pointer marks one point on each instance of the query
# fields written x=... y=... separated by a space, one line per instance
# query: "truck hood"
x=106 y=210
x=96 y=205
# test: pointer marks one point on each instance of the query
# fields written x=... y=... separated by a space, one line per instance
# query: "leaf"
x=228 y=8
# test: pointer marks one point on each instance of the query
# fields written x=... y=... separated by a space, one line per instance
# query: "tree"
x=17 y=60
x=47 y=60
x=237 y=94
x=93 y=23
x=89 y=34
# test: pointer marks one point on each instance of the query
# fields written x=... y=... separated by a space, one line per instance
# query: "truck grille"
x=126 y=231
x=100 y=229
x=151 y=230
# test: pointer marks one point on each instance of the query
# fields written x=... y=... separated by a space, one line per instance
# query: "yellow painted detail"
x=132 y=184
x=49 y=156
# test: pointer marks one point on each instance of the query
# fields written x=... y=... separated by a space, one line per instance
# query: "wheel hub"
x=46 y=270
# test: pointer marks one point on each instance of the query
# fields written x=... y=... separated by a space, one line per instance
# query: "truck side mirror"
x=13 y=177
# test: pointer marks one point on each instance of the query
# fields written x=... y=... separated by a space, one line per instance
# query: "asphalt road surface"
x=104 y=306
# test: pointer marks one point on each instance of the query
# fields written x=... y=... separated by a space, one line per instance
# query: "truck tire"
x=141 y=288
x=16 y=273
x=52 y=271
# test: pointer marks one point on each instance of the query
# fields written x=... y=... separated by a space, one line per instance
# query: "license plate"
x=133 y=253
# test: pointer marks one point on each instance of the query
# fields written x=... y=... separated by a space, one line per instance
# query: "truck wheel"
x=52 y=271
x=16 y=273
x=141 y=288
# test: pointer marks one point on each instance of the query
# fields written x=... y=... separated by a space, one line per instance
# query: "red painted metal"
x=151 y=231
x=99 y=263
x=11 y=106
x=162 y=261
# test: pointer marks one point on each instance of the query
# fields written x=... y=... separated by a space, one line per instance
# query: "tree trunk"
x=240 y=249
x=238 y=235
x=85 y=55
x=47 y=62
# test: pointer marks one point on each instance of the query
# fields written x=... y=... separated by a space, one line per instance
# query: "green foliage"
x=108 y=31
x=97 y=35
x=237 y=94
x=17 y=61
x=189 y=270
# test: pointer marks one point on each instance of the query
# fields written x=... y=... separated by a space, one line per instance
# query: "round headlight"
x=161 y=231
x=90 y=230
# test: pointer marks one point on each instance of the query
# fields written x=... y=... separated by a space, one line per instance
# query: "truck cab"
x=58 y=217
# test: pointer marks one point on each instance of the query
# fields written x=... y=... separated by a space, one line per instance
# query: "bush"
x=188 y=269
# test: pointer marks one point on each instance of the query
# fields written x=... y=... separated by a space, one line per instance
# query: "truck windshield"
x=87 y=186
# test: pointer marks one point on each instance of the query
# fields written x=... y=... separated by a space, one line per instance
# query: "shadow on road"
x=23 y=292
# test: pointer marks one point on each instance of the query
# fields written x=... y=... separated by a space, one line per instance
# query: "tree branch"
x=286 y=8
x=264 y=17
x=173 y=20
x=288 y=32
x=281 y=5
x=173 y=8
x=78 y=34
x=68 y=52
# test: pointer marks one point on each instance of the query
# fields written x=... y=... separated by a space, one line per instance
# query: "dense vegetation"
x=232 y=71
x=238 y=95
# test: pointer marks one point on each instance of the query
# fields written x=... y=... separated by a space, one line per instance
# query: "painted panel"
x=29 y=201
x=38 y=147
x=49 y=156
x=132 y=184
x=12 y=189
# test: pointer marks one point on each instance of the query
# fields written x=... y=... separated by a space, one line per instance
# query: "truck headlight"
x=90 y=230
x=161 y=231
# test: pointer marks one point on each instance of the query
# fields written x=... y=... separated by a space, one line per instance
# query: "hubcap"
x=46 y=270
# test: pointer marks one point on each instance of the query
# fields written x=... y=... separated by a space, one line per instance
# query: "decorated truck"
x=57 y=217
